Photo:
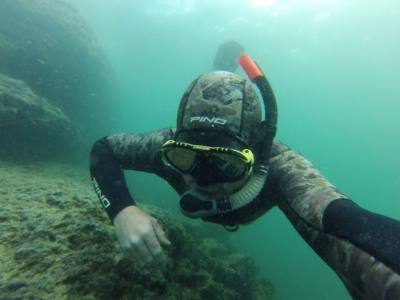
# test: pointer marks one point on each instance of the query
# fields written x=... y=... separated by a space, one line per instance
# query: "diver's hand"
x=140 y=235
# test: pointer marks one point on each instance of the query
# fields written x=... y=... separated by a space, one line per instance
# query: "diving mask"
x=230 y=164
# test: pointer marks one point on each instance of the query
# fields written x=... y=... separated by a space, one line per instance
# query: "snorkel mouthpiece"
x=198 y=204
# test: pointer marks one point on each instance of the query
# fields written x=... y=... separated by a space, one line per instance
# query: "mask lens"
x=181 y=158
x=230 y=165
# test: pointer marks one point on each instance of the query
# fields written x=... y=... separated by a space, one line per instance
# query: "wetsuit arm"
x=363 y=248
x=115 y=153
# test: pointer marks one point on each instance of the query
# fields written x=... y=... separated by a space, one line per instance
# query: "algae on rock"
x=57 y=243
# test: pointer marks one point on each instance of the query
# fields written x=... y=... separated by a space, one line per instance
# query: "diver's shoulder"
x=279 y=147
x=164 y=130
x=166 y=133
x=144 y=137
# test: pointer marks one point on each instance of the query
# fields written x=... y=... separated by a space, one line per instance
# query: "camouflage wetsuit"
x=361 y=247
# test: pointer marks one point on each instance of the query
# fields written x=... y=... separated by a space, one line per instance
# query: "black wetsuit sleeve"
x=115 y=153
x=108 y=180
x=377 y=234
x=361 y=247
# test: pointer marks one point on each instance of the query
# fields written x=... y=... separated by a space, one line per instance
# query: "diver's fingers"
x=131 y=253
x=143 y=254
x=154 y=247
x=160 y=233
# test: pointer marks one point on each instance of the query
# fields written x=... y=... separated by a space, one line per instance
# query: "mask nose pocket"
x=204 y=172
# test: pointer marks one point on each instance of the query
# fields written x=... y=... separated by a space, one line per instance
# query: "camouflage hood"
x=220 y=102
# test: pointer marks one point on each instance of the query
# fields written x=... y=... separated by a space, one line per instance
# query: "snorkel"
x=269 y=125
x=198 y=204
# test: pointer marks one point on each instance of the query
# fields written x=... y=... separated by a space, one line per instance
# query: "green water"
x=334 y=67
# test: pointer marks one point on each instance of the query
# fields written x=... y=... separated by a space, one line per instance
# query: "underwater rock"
x=53 y=200
x=32 y=127
x=49 y=46
x=73 y=253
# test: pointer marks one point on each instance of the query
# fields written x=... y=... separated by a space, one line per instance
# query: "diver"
x=228 y=168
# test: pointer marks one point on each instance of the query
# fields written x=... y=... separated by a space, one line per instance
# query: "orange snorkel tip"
x=250 y=67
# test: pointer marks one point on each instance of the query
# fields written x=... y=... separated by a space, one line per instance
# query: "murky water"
x=334 y=67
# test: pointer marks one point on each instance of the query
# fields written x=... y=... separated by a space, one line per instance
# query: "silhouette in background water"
x=224 y=162
x=226 y=57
